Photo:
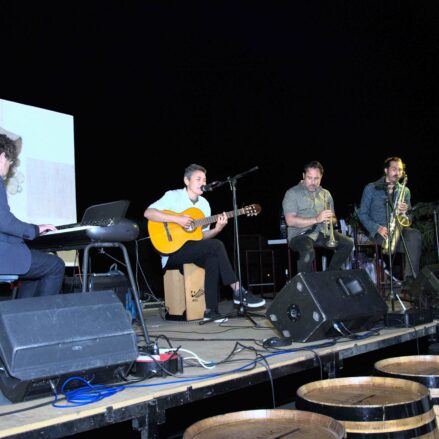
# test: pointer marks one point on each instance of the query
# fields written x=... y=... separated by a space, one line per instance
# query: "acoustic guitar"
x=170 y=237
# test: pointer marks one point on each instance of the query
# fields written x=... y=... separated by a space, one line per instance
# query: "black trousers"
x=304 y=246
x=413 y=242
x=211 y=255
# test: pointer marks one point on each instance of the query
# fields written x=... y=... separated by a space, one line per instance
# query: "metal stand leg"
x=134 y=291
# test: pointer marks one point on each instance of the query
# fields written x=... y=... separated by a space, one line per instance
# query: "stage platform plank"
x=147 y=405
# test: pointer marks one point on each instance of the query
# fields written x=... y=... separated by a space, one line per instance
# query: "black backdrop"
x=232 y=85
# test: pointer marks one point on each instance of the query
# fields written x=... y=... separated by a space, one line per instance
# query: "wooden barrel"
x=372 y=407
x=423 y=369
x=265 y=424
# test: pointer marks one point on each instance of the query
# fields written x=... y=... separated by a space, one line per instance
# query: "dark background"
x=155 y=86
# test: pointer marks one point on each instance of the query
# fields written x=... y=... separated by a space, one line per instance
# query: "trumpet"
x=328 y=230
x=331 y=242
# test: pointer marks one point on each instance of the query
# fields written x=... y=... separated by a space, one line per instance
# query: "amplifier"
x=112 y=280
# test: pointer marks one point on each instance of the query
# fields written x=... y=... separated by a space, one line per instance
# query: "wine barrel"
x=373 y=407
x=423 y=369
x=275 y=423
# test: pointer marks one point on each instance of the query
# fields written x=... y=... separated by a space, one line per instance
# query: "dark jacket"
x=15 y=256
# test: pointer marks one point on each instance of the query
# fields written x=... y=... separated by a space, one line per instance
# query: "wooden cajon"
x=185 y=292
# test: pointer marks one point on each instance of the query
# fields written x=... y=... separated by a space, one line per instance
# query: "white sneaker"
x=248 y=299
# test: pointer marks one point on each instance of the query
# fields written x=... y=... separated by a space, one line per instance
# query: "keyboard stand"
x=134 y=292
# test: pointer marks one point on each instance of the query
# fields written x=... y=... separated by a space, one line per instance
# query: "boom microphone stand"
x=436 y=231
x=242 y=310
x=398 y=226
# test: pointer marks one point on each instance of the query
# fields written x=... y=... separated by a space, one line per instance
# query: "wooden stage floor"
x=242 y=375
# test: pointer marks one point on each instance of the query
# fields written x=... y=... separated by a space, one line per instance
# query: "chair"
x=184 y=292
x=377 y=258
x=261 y=271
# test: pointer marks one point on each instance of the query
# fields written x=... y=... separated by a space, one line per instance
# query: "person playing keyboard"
x=40 y=273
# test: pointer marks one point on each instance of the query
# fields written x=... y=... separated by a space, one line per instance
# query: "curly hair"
x=9 y=147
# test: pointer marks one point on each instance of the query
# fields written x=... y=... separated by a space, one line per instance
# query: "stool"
x=314 y=268
x=184 y=293
x=377 y=261
x=11 y=279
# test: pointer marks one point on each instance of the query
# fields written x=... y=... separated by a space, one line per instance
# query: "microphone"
x=209 y=187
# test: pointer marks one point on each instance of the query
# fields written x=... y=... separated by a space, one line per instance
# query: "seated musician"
x=374 y=214
x=40 y=273
x=308 y=209
x=207 y=253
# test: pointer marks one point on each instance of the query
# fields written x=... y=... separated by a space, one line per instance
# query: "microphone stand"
x=242 y=310
x=436 y=231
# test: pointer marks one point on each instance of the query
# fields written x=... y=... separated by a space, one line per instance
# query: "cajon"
x=184 y=293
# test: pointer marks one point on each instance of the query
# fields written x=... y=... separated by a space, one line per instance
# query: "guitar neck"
x=213 y=219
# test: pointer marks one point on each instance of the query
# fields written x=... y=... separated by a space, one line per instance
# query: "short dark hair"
x=8 y=146
x=314 y=165
x=192 y=168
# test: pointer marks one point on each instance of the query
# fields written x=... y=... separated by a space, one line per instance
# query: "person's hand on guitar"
x=185 y=221
x=222 y=222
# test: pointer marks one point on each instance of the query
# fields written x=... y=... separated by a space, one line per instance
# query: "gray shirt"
x=300 y=201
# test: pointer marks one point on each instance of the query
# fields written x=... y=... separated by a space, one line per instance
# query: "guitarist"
x=207 y=253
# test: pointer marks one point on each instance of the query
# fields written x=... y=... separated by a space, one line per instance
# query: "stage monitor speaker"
x=314 y=306
x=59 y=336
x=425 y=288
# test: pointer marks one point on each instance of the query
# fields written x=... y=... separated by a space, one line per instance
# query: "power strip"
x=166 y=362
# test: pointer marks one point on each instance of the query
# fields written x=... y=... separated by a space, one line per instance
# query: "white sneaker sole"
x=220 y=320
x=251 y=305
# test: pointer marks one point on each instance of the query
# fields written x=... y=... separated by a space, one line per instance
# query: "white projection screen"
x=42 y=187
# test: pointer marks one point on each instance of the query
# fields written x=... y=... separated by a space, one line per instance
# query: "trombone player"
x=310 y=218
x=377 y=217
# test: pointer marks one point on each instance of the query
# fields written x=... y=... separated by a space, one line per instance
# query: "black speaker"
x=112 y=280
x=44 y=340
x=314 y=306
x=425 y=288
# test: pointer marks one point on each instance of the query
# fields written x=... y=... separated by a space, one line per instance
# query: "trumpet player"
x=309 y=214
x=376 y=216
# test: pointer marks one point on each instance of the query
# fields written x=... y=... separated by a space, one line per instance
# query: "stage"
x=240 y=374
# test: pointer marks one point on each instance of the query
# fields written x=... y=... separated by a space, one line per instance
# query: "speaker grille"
x=49 y=336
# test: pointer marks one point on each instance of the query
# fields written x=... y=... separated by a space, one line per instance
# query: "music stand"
x=242 y=310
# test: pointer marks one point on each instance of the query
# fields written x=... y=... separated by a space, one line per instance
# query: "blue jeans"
x=45 y=276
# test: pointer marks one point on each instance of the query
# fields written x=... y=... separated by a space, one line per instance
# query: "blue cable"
x=93 y=393
x=85 y=395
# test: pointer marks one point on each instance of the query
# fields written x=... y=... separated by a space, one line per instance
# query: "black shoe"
x=248 y=299
x=214 y=316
